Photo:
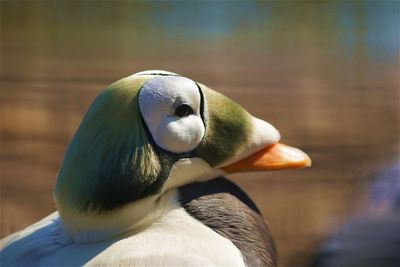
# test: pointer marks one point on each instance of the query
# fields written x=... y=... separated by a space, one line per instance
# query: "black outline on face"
x=167 y=158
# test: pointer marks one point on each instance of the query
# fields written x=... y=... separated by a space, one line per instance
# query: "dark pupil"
x=183 y=110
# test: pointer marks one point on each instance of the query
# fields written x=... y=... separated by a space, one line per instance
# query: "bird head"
x=156 y=130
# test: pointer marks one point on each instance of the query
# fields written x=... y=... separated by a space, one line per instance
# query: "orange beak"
x=274 y=157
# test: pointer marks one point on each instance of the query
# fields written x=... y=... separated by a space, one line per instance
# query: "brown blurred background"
x=326 y=74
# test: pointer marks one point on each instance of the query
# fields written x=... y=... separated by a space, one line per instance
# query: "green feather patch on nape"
x=110 y=161
x=227 y=128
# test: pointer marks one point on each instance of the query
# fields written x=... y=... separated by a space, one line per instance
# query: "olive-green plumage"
x=227 y=128
x=110 y=160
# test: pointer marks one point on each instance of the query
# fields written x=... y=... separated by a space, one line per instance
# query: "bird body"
x=138 y=183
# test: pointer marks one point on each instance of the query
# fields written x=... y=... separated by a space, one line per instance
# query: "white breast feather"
x=176 y=240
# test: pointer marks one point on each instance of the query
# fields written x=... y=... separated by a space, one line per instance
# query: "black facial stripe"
x=202 y=104
x=167 y=158
x=158 y=74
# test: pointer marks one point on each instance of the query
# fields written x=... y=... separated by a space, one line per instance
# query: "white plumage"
x=174 y=240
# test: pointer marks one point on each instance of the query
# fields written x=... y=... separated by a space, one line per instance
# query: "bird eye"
x=183 y=110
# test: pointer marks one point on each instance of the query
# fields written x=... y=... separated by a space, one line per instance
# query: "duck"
x=142 y=182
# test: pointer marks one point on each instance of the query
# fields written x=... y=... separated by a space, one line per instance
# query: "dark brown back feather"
x=225 y=208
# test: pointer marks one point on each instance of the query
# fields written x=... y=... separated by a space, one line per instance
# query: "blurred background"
x=325 y=73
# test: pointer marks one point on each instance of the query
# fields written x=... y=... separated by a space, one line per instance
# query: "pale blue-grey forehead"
x=169 y=90
x=159 y=99
x=156 y=72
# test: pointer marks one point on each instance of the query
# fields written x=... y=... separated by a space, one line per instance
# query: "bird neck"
x=91 y=226
x=88 y=227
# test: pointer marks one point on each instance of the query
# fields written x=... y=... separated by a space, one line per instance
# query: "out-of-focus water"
x=325 y=73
